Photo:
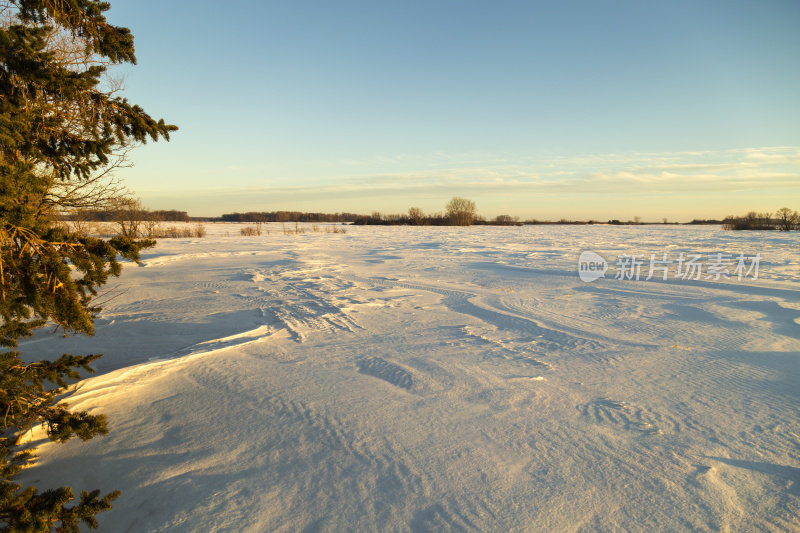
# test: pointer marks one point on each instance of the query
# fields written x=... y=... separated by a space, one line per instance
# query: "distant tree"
x=460 y=211
x=787 y=218
x=416 y=215
x=60 y=126
x=506 y=220
x=751 y=221
x=130 y=217
x=81 y=221
x=169 y=216
x=151 y=225
x=760 y=220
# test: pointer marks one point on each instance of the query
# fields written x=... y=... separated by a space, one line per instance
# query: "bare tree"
x=82 y=222
x=151 y=225
x=506 y=220
x=416 y=215
x=100 y=192
x=460 y=211
x=129 y=216
x=787 y=218
x=760 y=220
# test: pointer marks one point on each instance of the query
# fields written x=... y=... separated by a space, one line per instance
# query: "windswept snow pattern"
x=389 y=372
x=440 y=379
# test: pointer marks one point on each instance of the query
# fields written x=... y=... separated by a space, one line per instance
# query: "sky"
x=564 y=109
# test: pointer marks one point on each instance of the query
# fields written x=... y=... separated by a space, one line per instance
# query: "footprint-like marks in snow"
x=383 y=369
x=628 y=417
x=301 y=298
x=454 y=514
x=505 y=349
x=632 y=418
x=438 y=518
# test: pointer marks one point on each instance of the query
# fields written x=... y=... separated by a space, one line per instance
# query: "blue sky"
x=578 y=109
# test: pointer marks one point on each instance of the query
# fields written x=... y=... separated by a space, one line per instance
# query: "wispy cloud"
x=756 y=171
x=761 y=168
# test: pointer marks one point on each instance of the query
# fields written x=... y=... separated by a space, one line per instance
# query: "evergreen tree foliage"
x=59 y=124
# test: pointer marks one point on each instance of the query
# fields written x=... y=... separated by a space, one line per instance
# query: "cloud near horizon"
x=574 y=182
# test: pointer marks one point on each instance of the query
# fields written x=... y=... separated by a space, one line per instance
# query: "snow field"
x=440 y=379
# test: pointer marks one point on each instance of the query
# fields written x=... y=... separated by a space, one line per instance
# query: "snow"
x=440 y=379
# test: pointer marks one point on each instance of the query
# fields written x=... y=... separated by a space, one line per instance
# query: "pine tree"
x=58 y=127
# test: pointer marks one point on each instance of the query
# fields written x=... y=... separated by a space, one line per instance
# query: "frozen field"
x=442 y=379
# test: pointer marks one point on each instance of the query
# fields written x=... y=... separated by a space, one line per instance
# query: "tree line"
x=458 y=212
x=784 y=219
x=461 y=213
x=127 y=209
x=285 y=216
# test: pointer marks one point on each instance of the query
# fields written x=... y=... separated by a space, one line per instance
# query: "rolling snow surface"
x=441 y=379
